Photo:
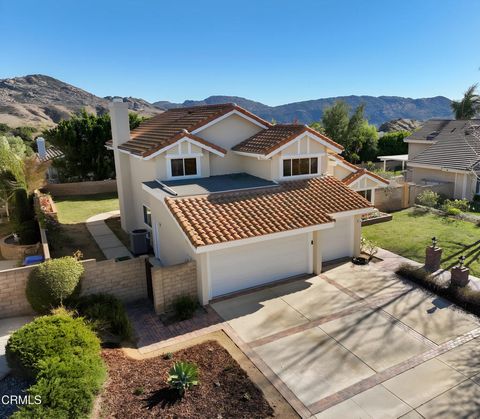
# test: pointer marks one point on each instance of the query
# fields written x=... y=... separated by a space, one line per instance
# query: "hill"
x=377 y=109
x=43 y=101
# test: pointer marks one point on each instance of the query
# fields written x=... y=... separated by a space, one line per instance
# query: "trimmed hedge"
x=107 y=314
x=53 y=283
x=46 y=337
x=63 y=354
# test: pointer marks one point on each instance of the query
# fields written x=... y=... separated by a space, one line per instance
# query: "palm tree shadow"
x=165 y=397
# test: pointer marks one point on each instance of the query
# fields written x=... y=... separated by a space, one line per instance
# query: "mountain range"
x=42 y=101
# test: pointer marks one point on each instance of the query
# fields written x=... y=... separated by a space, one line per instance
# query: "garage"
x=337 y=242
x=250 y=265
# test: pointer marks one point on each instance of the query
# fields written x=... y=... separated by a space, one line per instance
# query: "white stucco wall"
x=228 y=133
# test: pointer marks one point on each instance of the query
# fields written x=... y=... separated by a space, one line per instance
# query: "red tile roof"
x=268 y=140
x=168 y=127
x=354 y=176
x=224 y=217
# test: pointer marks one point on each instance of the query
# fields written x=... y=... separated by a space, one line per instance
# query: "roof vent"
x=432 y=135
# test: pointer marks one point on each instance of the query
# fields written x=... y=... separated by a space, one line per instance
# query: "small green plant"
x=53 y=283
x=183 y=376
x=138 y=391
x=428 y=198
x=453 y=211
x=184 y=307
x=168 y=355
x=368 y=247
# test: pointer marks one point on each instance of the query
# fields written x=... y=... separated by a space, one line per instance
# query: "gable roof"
x=363 y=172
x=224 y=217
x=272 y=138
x=168 y=127
x=456 y=146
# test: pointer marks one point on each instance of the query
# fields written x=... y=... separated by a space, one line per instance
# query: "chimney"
x=119 y=120
x=42 y=151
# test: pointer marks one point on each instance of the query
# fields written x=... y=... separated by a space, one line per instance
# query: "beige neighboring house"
x=249 y=201
x=446 y=151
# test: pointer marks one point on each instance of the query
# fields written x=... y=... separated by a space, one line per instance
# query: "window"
x=477 y=188
x=147 y=216
x=367 y=194
x=297 y=167
x=184 y=167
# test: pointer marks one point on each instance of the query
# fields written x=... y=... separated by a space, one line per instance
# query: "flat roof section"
x=212 y=184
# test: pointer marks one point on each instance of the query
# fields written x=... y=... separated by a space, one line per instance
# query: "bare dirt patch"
x=137 y=388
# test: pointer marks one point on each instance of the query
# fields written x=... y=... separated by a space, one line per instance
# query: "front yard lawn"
x=411 y=231
x=137 y=388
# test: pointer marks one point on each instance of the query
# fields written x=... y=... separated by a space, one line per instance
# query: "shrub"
x=184 y=307
x=28 y=232
x=461 y=204
x=106 y=313
x=63 y=354
x=53 y=282
x=49 y=336
x=428 y=198
x=453 y=211
x=183 y=376
x=414 y=273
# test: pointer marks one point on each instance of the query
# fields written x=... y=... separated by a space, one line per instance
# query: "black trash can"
x=139 y=242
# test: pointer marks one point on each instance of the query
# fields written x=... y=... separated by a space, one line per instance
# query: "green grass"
x=410 y=232
x=76 y=209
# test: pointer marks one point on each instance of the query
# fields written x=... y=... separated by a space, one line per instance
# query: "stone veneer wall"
x=125 y=279
x=170 y=282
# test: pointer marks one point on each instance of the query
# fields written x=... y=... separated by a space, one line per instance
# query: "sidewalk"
x=7 y=327
x=108 y=242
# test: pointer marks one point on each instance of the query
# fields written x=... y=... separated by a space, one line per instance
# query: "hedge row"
x=63 y=355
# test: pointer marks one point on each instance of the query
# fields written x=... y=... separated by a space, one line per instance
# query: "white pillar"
x=384 y=165
x=357 y=234
x=317 y=252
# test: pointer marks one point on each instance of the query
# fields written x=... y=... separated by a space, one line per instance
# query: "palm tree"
x=469 y=106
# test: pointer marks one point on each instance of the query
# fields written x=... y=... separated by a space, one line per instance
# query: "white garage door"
x=250 y=265
x=337 y=242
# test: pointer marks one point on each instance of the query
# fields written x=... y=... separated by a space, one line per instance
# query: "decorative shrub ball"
x=54 y=282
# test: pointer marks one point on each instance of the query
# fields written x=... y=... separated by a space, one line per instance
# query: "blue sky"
x=272 y=51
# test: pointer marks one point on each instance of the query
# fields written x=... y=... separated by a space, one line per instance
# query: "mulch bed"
x=137 y=388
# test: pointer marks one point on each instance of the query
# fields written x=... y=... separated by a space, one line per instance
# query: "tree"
x=354 y=133
x=391 y=143
x=82 y=139
x=469 y=106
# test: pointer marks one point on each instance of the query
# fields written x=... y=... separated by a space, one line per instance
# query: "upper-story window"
x=184 y=167
x=301 y=166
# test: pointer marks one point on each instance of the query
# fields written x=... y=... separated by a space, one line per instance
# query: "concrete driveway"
x=358 y=342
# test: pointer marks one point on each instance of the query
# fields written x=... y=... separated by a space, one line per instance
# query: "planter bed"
x=380 y=218
x=137 y=388
x=14 y=251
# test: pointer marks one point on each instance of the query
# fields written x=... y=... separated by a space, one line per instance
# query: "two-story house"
x=249 y=201
x=446 y=151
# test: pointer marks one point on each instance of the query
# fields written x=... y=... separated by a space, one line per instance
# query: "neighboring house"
x=50 y=154
x=447 y=151
x=249 y=201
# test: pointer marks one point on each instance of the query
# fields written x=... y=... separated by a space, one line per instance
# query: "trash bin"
x=139 y=242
